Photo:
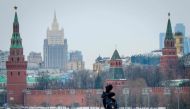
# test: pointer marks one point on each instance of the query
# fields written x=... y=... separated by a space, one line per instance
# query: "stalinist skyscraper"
x=55 y=47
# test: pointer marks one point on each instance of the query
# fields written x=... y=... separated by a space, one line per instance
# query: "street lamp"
x=126 y=93
x=147 y=91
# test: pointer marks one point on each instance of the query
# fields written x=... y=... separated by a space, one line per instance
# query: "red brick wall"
x=91 y=97
x=61 y=97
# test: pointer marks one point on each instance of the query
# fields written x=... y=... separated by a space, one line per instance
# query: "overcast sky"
x=94 y=26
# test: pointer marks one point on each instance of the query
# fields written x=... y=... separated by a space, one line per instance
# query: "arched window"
x=11 y=73
x=12 y=59
x=18 y=73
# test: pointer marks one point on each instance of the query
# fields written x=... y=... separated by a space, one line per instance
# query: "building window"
x=17 y=59
x=12 y=59
x=18 y=73
x=11 y=73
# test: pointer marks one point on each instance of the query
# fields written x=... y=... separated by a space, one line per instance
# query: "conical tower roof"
x=115 y=55
x=169 y=34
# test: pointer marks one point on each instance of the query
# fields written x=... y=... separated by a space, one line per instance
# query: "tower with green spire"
x=168 y=60
x=116 y=68
x=16 y=68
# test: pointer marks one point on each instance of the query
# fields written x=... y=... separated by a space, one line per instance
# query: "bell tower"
x=16 y=67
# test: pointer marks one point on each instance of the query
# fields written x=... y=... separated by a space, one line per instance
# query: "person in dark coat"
x=108 y=98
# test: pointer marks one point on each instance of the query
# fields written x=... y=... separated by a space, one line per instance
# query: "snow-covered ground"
x=86 y=108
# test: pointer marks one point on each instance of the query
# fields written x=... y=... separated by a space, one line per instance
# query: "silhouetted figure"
x=108 y=101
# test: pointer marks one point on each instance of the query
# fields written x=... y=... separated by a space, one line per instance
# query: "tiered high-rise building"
x=16 y=68
x=169 y=56
x=55 y=47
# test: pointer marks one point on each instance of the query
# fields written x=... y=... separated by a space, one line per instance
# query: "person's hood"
x=110 y=94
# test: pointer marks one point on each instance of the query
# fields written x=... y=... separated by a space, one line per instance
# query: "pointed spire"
x=15 y=18
x=55 y=25
x=55 y=18
x=115 y=55
x=16 y=41
x=169 y=34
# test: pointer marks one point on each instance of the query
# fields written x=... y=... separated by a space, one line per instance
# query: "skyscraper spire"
x=169 y=34
x=16 y=41
x=55 y=18
x=55 y=25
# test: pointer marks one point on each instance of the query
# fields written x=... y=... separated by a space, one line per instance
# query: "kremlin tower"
x=16 y=67
x=116 y=68
x=169 y=58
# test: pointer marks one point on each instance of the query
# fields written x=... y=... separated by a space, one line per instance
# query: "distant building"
x=55 y=48
x=75 y=56
x=101 y=64
x=186 y=45
x=180 y=28
x=179 y=43
x=3 y=58
x=169 y=58
x=34 y=60
x=161 y=40
x=76 y=62
x=152 y=58
x=75 y=65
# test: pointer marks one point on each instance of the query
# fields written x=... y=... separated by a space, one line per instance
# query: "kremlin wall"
x=92 y=97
